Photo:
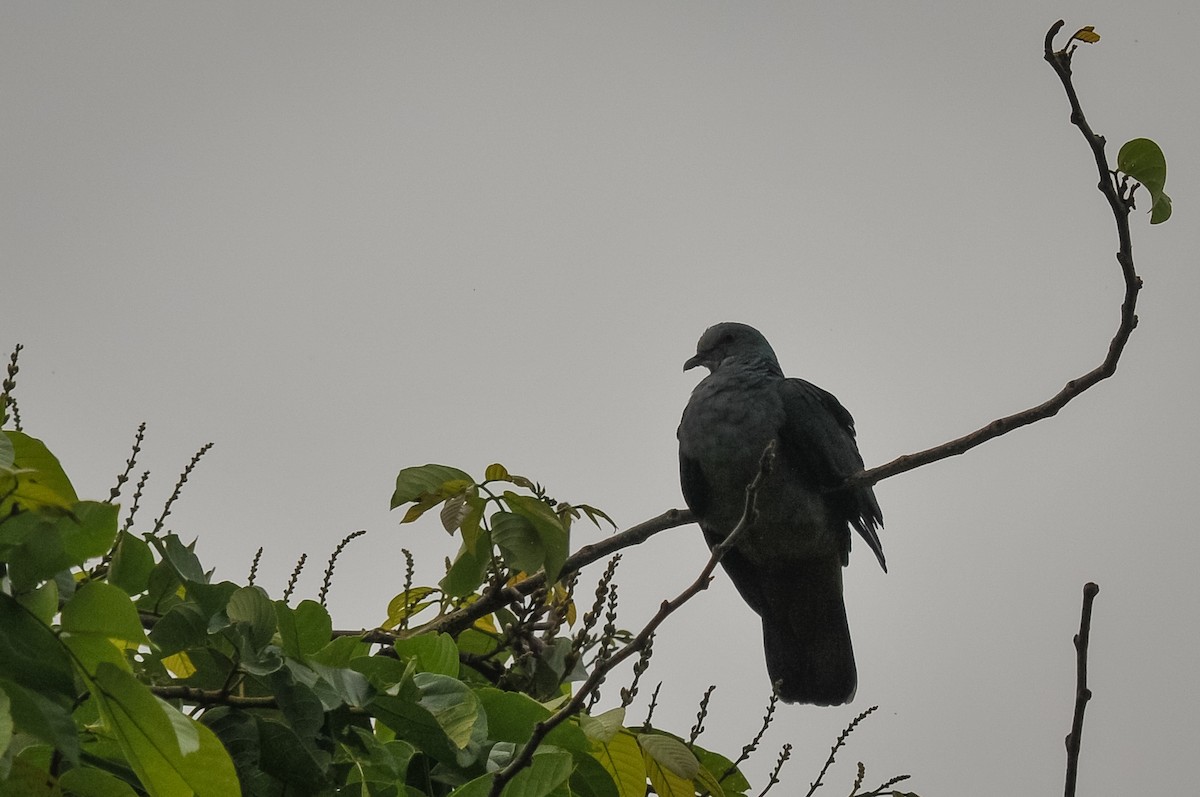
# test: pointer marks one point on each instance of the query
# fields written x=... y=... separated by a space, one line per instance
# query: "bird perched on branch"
x=787 y=565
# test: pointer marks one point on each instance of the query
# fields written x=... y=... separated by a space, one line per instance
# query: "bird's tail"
x=807 y=638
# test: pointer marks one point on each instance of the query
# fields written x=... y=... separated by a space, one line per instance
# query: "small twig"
x=211 y=697
x=653 y=705
x=183 y=477
x=784 y=754
x=115 y=492
x=291 y=585
x=841 y=740
x=1082 y=693
x=8 y=384
x=701 y=715
x=137 y=500
x=666 y=609
x=254 y=567
x=341 y=546
x=748 y=749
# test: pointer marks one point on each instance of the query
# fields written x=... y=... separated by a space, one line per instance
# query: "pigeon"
x=787 y=565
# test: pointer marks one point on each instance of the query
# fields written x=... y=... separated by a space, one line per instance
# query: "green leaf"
x=555 y=540
x=184 y=626
x=250 y=608
x=665 y=781
x=590 y=779
x=434 y=653
x=670 y=753
x=1143 y=160
x=603 y=727
x=414 y=484
x=518 y=542
x=622 y=758
x=452 y=704
x=303 y=630
x=6 y=720
x=43 y=718
x=102 y=610
x=548 y=770
x=286 y=757
x=735 y=782
x=40 y=480
x=512 y=716
x=31 y=655
x=92 y=782
x=171 y=753
x=496 y=473
x=181 y=557
x=406 y=604
x=131 y=564
x=42 y=602
x=38 y=545
x=469 y=569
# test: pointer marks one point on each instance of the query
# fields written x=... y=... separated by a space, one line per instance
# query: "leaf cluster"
x=127 y=668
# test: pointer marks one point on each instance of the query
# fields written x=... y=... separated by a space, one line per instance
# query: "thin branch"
x=211 y=697
x=456 y=621
x=841 y=740
x=666 y=609
x=1082 y=693
x=1120 y=202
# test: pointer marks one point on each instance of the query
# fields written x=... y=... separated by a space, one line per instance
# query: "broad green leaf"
x=8 y=454
x=479 y=787
x=707 y=782
x=1143 y=160
x=303 y=630
x=549 y=769
x=336 y=686
x=518 y=541
x=131 y=564
x=735 y=782
x=454 y=511
x=42 y=602
x=384 y=672
x=406 y=604
x=469 y=569
x=591 y=779
x=300 y=705
x=603 y=727
x=496 y=473
x=670 y=753
x=41 y=482
x=287 y=758
x=375 y=762
x=102 y=610
x=666 y=782
x=555 y=541
x=432 y=652
x=181 y=557
x=38 y=545
x=512 y=717
x=452 y=704
x=31 y=655
x=622 y=759
x=184 y=626
x=6 y=720
x=92 y=782
x=89 y=652
x=413 y=484
x=171 y=753
x=250 y=608
x=43 y=718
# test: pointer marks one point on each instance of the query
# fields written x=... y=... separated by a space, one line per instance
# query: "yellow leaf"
x=1087 y=34
x=179 y=665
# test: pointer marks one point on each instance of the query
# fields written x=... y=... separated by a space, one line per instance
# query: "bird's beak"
x=692 y=363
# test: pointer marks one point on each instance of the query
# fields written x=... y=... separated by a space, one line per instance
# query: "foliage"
x=126 y=668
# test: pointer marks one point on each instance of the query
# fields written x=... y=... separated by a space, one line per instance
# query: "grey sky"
x=337 y=240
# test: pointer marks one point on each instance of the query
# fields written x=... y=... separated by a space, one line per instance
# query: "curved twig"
x=1120 y=201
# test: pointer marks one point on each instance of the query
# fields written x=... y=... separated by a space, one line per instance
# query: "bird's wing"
x=818 y=440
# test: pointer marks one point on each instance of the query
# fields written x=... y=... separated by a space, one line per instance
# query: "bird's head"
x=730 y=340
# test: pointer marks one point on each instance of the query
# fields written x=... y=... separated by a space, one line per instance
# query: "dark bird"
x=788 y=564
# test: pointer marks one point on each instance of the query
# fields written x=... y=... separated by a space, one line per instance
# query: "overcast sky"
x=341 y=239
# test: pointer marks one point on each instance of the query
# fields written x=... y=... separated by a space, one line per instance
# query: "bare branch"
x=1120 y=201
x=1082 y=693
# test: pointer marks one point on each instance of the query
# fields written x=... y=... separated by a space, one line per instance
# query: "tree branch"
x=601 y=671
x=1082 y=693
x=1120 y=201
